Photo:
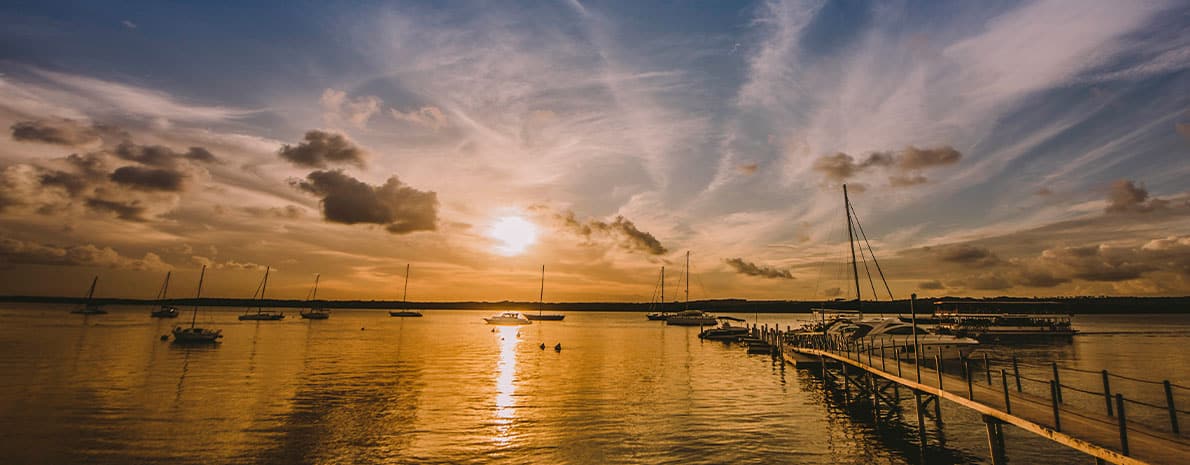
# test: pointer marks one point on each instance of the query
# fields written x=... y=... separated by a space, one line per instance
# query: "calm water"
x=366 y=388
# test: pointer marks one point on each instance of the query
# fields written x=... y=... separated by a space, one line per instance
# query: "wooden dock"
x=1107 y=435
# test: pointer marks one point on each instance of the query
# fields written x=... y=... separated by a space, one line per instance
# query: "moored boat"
x=316 y=311
x=688 y=316
x=660 y=315
x=995 y=321
x=541 y=303
x=507 y=319
x=195 y=334
x=404 y=295
x=262 y=314
x=164 y=311
x=90 y=307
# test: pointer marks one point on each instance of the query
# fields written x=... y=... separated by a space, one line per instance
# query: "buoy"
x=543 y=346
x=164 y=337
x=361 y=329
x=558 y=348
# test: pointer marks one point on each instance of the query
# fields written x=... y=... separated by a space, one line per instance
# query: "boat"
x=508 y=319
x=541 y=303
x=689 y=317
x=194 y=334
x=164 y=311
x=404 y=294
x=726 y=331
x=90 y=307
x=316 y=311
x=660 y=315
x=998 y=321
x=262 y=314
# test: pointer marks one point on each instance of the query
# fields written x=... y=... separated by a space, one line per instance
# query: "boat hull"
x=657 y=316
x=262 y=317
x=196 y=335
x=168 y=312
x=691 y=321
x=405 y=313
x=315 y=315
x=546 y=317
x=497 y=322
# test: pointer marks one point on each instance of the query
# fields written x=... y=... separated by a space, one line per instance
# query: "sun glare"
x=514 y=234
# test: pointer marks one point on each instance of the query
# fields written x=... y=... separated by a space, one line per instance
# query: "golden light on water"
x=506 y=385
x=513 y=233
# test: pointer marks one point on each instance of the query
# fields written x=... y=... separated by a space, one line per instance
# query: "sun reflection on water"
x=506 y=385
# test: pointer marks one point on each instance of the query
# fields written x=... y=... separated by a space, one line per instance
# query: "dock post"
x=970 y=388
x=1054 y=403
x=897 y=355
x=1123 y=423
x=987 y=368
x=872 y=386
x=846 y=387
x=1016 y=373
x=921 y=419
x=995 y=440
x=882 y=363
x=1107 y=392
x=1057 y=383
x=1173 y=412
x=1004 y=382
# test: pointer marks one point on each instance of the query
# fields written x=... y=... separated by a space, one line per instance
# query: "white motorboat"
x=891 y=334
x=508 y=319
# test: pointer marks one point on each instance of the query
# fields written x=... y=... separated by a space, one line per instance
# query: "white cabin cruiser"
x=508 y=319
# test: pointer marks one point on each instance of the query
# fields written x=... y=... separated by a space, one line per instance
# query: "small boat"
x=725 y=332
x=541 y=303
x=316 y=312
x=661 y=315
x=508 y=319
x=690 y=317
x=90 y=308
x=404 y=301
x=164 y=311
x=195 y=334
x=262 y=314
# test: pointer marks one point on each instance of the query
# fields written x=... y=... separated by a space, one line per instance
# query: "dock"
x=877 y=375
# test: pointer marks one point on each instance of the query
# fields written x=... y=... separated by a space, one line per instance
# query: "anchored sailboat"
x=688 y=317
x=662 y=315
x=405 y=293
x=541 y=303
x=316 y=312
x=194 y=334
x=164 y=311
x=90 y=307
x=262 y=314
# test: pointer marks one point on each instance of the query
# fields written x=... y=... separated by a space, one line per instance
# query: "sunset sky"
x=1029 y=148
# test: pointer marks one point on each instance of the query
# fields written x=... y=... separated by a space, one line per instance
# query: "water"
x=366 y=388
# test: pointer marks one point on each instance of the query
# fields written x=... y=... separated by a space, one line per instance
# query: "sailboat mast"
x=405 y=293
x=663 y=289
x=314 y=295
x=851 y=241
x=165 y=287
x=197 y=295
x=541 y=294
x=263 y=286
x=687 y=281
x=91 y=292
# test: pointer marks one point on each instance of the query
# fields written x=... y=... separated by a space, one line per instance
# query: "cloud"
x=992 y=281
x=622 y=231
x=1183 y=129
x=966 y=254
x=148 y=179
x=338 y=108
x=402 y=209
x=932 y=285
x=125 y=210
x=748 y=168
x=288 y=212
x=13 y=251
x=1097 y=263
x=752 y=269
x=320 y=148
x=128 y=24
x=428 y=116
x=1126 y=197
x=161 y=156
x=903 y=168
x=58 y=131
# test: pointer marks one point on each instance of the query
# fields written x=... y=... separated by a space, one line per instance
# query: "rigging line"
x=868 y=271
x=877 y=262
x=822 y=263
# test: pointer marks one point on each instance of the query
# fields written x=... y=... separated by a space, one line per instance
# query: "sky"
x=1021 y=148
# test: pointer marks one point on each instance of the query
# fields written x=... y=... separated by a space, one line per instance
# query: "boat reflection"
x=506 y=385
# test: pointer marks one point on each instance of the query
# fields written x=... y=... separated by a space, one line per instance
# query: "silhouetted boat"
x=262 y=314
x=661 y=315
x=316 y=312
x=404 y=294
x=195 y=334
x=541 y=303
x=508 y=319
x=90 y=307
x=164 y=311
x=996 y=321
x=690 y=317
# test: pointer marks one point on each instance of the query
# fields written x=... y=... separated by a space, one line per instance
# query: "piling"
x=1107 y=392
x=1173 y=411
x=1016 y=373
x=1004 y=382
x=1057 y=384
x=1123 y=423
x=1054 y=403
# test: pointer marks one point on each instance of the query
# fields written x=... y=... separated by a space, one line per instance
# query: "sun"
x=514 y=234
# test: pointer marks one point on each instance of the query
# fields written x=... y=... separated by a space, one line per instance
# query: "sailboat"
x=262 y=314
x=316 y=312
x=90 y=307
x=541 y=303
x=194 y=334
x=662 y=315
x=688 y=317
x=165 y=311
x=404 y=294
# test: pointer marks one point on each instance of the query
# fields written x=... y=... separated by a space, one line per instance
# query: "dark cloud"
x=149 y=179
x=402 y=209
x=1038 y=277
x=161 y=156
x=13 y=251
x=621 y=230
x=966 y=254
x=1126 y=197
x=987 y=282
x=903 y=168
x=289 y=212
x=320 y=148
x=1096 y=263
x=125 y=210
x=751 y=269
x=55 y=131
x=933 y=284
